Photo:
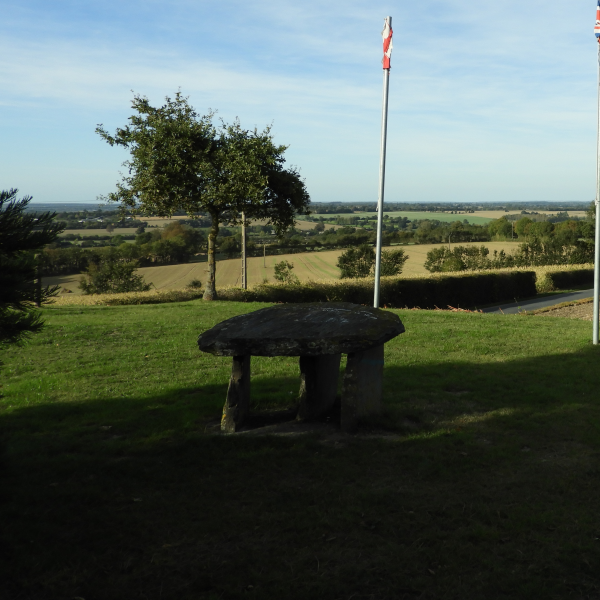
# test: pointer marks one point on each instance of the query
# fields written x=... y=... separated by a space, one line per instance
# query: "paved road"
x=533 y=304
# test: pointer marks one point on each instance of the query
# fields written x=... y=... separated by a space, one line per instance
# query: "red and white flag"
x=597 y=26
x=386 y=34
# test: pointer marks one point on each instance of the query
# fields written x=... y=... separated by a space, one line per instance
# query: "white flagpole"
x=384 y=113
x=597 y=232
x=597 y=237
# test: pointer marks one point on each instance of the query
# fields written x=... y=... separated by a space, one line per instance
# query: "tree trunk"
x=210 y=292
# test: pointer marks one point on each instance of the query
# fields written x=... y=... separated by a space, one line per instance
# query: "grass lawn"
x=481 y=481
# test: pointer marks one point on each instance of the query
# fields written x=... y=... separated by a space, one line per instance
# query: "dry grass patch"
x=129 y=298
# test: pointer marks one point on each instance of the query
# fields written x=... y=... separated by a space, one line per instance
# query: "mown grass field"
x=480 y=481
x=309 y=265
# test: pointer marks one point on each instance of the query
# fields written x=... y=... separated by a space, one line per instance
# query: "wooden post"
x=237 y=403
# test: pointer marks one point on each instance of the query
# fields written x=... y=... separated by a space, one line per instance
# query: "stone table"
x=319 y=333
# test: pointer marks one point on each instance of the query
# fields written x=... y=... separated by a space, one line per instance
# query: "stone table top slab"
x=308 y=329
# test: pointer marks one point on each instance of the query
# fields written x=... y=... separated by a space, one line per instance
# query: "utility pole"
x=244 y=272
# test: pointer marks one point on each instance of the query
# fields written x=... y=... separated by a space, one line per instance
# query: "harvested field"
x=308 y=265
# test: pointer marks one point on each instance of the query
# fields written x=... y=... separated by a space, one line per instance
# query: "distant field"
x=85 y=232
x=309 y=265
x=496 y=214
x=478 y=218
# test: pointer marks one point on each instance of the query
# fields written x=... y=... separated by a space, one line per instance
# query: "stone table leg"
x=362 y=389
x=238 y=395
x=318 y=385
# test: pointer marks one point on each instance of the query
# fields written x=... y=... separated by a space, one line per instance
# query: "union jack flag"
x=597 y=26
x=387 y=33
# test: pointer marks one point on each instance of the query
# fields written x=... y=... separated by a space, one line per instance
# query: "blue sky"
x=488 y=101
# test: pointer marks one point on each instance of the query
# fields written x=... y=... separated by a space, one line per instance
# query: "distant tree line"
x=175 y=243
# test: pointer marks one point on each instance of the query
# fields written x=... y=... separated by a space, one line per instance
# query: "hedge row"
x=564 y=280
x=464 y=290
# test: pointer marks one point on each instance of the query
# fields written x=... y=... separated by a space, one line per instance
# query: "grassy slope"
x=111 y=489
x=310 y=265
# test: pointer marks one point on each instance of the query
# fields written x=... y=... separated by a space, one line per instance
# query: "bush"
x=113 y=278
x=194 y=284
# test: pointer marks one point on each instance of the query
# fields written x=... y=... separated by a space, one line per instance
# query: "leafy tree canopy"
x=113 y=277
x=181 y=161
x=360 y=262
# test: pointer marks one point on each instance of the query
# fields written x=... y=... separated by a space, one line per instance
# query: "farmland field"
x=160 y=222
x=477 y=218
x=86 y=232
x=309 y=265
x=445 y=217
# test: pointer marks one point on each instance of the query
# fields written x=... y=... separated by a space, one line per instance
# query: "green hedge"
x=465 y=291
x=564 y=280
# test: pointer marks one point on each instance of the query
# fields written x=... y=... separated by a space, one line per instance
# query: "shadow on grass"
x=490 y=492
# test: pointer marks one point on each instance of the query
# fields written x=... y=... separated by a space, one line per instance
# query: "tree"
x=283 y=272
x=392 y=262
x=231 y=245
x=21 y=235
x=522 y=226
x=112 y=277
x=181 y=161
x=356 y=262
x=360 y=262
